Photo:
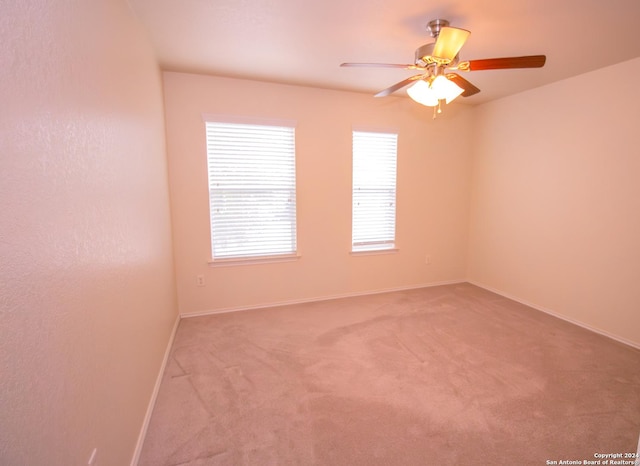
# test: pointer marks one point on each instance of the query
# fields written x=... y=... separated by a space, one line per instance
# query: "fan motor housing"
x=424 y=56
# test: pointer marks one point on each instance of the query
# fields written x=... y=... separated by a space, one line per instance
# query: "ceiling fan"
x=437 y=61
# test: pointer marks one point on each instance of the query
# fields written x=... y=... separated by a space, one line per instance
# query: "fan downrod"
x=434 y=27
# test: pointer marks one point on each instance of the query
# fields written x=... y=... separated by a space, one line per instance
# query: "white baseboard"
x=154 y=395
x=558 y=315
x=318 y=298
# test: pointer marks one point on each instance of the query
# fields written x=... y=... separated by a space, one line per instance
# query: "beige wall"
x=87 y=297
x=433 y=184
x=555 y=217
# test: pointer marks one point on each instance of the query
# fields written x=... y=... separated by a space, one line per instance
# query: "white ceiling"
x=304 y=42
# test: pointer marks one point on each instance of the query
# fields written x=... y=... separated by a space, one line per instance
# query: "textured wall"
x=87 y=297
x=555 y=217
x=432 y=197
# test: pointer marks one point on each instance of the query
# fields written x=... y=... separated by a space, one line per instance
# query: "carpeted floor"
x=449 y=375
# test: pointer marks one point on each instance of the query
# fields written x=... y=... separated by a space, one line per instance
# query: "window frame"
x=264 y=256
x=388 y=243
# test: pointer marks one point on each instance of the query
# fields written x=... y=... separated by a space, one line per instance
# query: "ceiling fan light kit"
x=436 y=83
x=432 y=91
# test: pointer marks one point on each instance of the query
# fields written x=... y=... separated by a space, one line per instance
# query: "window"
x=374 y=191
x=252 y=190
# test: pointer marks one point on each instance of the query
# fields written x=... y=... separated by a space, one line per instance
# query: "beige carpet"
x=449 y=375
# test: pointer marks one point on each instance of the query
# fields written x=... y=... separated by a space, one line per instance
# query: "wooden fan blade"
x=379 y=65
x=531 y=61
x=469 y=89
x=449 y=42
x=400 y=85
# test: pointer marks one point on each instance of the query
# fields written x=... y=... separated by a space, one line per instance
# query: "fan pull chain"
x=437 y=109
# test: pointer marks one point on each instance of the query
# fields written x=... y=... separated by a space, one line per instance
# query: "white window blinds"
x=374 y=191
x=252 y=190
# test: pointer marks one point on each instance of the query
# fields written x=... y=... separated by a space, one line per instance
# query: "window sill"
x=253 y=260
x=373 y=252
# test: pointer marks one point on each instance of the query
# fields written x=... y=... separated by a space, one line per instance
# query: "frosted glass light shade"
x=445 y=89
x=422 y=93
